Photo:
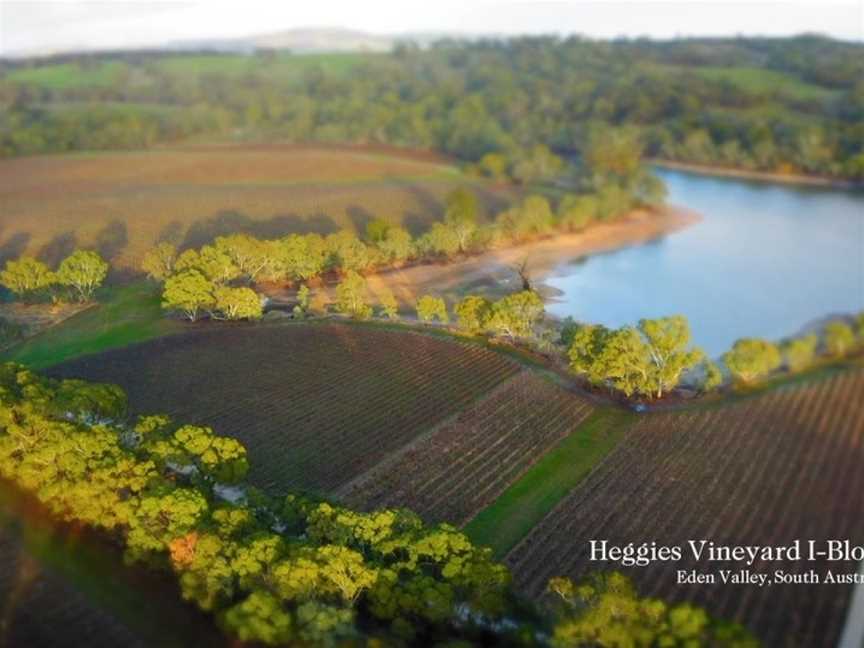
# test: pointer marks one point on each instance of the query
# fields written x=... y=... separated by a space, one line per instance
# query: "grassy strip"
x=509 y=518
x=126 y=314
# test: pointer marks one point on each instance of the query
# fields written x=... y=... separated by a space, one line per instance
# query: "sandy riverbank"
x=491 y=273
x=759 y=176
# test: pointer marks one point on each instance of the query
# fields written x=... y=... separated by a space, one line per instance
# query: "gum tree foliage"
x=430 y=308
x=189 y=292
x=751 y=359
x=275 y=571
x=26 y=276
x=396 y=246
x=839 y=339
x=515 y=315
x=472 y=314
x=303 y=257
x=460 y=216
x=606 y=610
x=389 y=305
x=83 y=271
x=351 y=296
x=799 y=353
x=647 y=360
x=237 y=303
x=158 y=261
x=532 y=218
x=347 y=252
x=712 y=376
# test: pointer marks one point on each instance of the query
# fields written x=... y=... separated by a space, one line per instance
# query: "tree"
x=303 y=257
x=158 y=261
x=188 y=291
x=472 y=313
x=302 y=306
x=377 y=230
x=253 y=259
x=461 y=216
x=839 y=339
x=712 y=377
x=347 y=252
x=540 y=165
x=84 y=271
x=396 y=246
x=606 y=610
x=533 y=217
x=430 y=308
x=351 y=296
x=613 y=154
x=389 y=305
x=667 y=339
x=751 y=359
x=799 y=353
x=441 y=240
x=237 y=303
x=576 y=212
x=26 y=276
x=647 y=360
x=516 y=314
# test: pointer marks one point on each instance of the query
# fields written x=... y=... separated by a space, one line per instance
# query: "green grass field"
x=125 y=315
x=102 y=74
x=528 y=500
x=756 y=80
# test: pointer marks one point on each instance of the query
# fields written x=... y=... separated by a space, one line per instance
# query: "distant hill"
x=307 y=40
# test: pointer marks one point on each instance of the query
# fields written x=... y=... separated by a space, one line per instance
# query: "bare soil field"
x=315 y=404
x=765 y=470
x=122 y=202
x=465 y=464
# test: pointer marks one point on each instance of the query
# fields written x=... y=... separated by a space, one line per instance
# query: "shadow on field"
x=360 y=218
x=224 y=223
x=112 y=240
x=14 y=246
x=58 y=248
x=172 y=233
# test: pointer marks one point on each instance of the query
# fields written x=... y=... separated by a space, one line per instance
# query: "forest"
x=792 y=105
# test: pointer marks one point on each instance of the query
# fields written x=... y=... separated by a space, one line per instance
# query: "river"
x=765 y=261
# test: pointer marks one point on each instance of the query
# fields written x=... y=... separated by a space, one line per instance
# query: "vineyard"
x=765 y=470
x=316 y=405
x=122 y=203
x=467 y=463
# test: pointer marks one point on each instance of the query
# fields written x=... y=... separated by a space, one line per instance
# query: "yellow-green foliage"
x=274 y=571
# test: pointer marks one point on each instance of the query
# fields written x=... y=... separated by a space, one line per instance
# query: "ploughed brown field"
x=121 y=203
x=766 y=470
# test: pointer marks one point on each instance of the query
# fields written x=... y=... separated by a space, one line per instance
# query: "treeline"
x=76 y=277
x=217 y=278
x=293 y=570
x=752 y=360
x=700 y=100
x=652 y=358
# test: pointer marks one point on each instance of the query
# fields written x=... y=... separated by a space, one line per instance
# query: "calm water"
x=765 y=261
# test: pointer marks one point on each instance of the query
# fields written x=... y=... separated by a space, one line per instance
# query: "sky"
x=51 y=25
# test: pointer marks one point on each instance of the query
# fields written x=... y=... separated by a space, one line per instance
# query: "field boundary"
x=394 y=456
x=547 y=483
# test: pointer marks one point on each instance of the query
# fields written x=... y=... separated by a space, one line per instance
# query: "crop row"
x=768 y=470
x=468 y=462
x=315 y=405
